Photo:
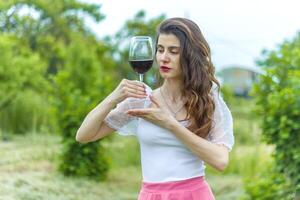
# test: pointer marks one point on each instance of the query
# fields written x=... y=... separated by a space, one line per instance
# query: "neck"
x=172 y=89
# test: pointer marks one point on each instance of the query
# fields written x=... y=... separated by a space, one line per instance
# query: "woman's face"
x=168 y=56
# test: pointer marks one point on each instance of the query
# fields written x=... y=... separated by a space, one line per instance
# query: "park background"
x=56 y=65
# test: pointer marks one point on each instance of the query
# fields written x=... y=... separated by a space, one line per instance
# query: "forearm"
x=94 y=119
x=212 y=154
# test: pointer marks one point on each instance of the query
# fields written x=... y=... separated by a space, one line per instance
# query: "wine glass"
x=141 y=54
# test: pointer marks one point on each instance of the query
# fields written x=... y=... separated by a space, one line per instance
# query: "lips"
x=165 y=68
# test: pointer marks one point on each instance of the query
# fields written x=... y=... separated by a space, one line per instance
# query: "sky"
x=236 y=30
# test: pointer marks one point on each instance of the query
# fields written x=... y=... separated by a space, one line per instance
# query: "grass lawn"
x=28 y=172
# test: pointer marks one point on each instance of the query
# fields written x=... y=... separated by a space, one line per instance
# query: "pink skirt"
x=190 y=189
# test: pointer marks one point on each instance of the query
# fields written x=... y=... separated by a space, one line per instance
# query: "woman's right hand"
x=128 y=88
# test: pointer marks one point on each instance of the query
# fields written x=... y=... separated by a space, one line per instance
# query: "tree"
x=21 y=72
x=77 y=64
x=18 y=65
x=47 y=23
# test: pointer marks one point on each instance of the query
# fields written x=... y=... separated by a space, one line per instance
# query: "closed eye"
x=174 y=52
x=160 y=50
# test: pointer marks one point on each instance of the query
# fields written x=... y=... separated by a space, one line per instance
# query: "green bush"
x=78 y=88
x=123 y=151
x=278 y=98
x=268 y=185
x=29 y=112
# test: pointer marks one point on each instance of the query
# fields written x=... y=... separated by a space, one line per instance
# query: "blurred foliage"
x=28 y=112
x=247 y=161
x=278 y=100
x=37 y=18
x=73 y=63
x=246 y=121
x=227 y=94
x=78 y=88
x=124 y=151
x=54 y=70
x=22 y=87
x=273 y=184
x=47 y=25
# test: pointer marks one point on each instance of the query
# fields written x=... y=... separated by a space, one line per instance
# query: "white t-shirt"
x=163 y=156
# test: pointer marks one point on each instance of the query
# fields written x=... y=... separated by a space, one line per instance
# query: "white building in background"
x=239 y=78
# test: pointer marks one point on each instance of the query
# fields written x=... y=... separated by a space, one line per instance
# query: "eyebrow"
x=170 y=47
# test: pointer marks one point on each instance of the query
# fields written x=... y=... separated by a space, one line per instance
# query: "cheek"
x=157 y=57
x=177 y=62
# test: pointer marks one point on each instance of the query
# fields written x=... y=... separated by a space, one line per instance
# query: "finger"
x=136 y=96
x=138 y=111
x=137 y=84
x=133 y=85
x=154 y=101
x=136 y=114
x=141 y=116
x=135 y=91
x=128 y=92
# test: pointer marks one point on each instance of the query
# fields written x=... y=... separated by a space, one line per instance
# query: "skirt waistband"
x=188 y=184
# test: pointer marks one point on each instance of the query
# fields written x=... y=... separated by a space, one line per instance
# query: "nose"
x=164 y=57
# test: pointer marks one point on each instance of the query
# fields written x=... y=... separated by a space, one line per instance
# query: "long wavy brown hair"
x=198 y=72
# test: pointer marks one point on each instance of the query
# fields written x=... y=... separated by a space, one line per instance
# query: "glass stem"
x=141 y=77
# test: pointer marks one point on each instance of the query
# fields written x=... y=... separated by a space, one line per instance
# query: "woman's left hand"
x=157 y=115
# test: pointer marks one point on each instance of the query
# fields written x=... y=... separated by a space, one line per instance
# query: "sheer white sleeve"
x=222 y=126
x=123 y=123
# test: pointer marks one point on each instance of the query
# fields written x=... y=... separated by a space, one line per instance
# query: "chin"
x=169 y=76
x=165 y=76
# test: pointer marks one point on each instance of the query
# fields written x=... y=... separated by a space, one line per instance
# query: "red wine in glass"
x=141 y=54
x=141 y=66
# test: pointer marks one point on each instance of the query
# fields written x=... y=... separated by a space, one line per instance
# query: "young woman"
x=184 y=123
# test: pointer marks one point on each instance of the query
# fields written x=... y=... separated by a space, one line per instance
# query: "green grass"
x=28 y=172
